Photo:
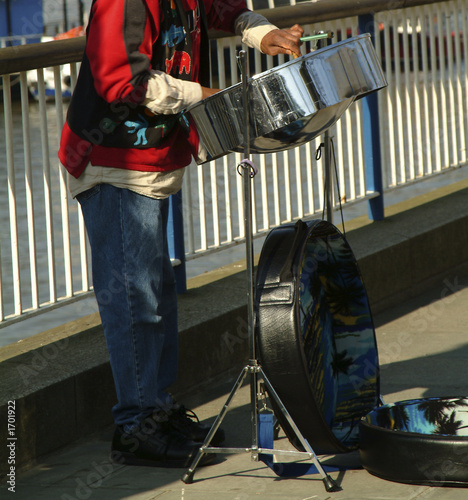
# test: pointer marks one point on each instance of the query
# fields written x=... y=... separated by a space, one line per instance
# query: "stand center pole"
x=248 y=173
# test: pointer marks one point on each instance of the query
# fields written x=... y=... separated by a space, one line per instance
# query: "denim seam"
x=132 y=316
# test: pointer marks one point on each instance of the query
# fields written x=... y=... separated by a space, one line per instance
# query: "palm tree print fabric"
x=338 y=334
x=430 y=416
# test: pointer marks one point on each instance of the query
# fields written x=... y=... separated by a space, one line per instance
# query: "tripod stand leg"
x=330 y=484
x=187 y=477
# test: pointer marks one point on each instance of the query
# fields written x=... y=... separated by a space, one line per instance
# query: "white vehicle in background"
x=49 y=81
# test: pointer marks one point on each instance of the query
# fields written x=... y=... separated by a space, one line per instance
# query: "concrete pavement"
x=423 y=350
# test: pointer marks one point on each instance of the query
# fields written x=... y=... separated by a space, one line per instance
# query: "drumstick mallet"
x=317 y=36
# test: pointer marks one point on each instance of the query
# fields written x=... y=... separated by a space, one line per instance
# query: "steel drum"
x=291 y=104
x=418 y=441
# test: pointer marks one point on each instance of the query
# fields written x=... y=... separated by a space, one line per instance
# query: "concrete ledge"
x=61 y=381
x=416 y=244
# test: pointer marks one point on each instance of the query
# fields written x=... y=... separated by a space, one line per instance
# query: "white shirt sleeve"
x=253 y=27
x=168 y=95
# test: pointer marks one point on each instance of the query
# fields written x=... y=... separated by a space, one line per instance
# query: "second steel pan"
x=291 y=104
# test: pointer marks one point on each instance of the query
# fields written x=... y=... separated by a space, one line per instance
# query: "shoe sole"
x=215 y=441
x=218 y=438
x=125 y=458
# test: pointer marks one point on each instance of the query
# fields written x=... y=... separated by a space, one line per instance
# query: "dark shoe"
x=186 y=422
x=155 y=447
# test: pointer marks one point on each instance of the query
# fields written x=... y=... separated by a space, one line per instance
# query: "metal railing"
x=422 y=116
x=7 y=41
x=425 y=100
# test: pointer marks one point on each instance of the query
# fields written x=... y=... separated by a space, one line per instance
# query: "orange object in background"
x=73 y=33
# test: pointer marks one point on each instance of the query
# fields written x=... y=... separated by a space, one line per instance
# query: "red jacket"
x=125 y=40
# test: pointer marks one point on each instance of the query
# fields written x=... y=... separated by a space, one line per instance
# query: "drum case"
x=316 y=343
x=315 y=335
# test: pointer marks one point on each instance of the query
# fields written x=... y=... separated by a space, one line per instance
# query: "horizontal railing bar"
x=423 y=178
x=42 y=55
x=328 y=10
x=45 y=307
x=237 y=242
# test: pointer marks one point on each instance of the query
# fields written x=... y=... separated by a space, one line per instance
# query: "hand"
x=285 y=41
x=207 y=92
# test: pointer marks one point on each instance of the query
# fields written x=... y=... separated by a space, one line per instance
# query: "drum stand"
x=248 y=171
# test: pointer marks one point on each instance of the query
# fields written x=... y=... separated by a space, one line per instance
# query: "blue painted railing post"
x=175 y=239
x=371 y=132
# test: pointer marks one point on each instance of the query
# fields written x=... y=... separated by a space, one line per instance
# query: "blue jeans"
x=135 y=289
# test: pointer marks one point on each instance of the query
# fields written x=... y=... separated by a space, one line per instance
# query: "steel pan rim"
x=303 y=57
x=412 y=457
x=410 y=432
x=280 y=67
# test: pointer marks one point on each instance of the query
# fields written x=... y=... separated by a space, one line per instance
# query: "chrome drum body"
x=290 y=104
